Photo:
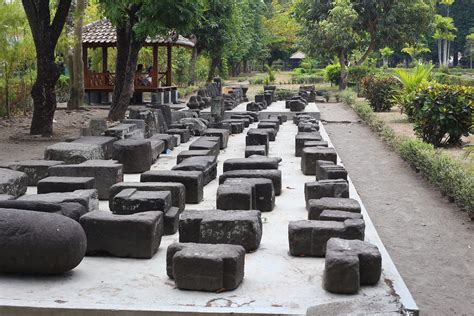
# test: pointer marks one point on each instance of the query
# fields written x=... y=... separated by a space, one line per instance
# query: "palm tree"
x=415 y=50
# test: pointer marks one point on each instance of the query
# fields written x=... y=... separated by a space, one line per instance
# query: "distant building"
x=296 y=59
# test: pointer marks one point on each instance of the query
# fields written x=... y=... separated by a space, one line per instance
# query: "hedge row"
x=450 y=177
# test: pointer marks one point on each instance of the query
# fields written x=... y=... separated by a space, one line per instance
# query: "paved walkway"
x=429 y=239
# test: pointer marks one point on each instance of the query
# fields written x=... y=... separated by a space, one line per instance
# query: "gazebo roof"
x=103 y=33
x=298 y=55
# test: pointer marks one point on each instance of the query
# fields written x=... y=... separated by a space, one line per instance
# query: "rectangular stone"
x=328 y=170
x=34 y=169
x=272 y=133
x=206 y=164
x=263 y=193
x=257 y=137
x=301 y=138
x=274 y=175
x=185 y=154
x=65 y=184
x=316 y=207
x=73 y=153
x=121 y=131
x=206 y=144
x=259 y=150
x=131 y=236
x=106 y=143
x=310 y=155
x=261 y=163
x=221 y=133
x=87 y=198
x=326 y=188
x=192 y=180
x=235 y=197
x=170 y=140
x=131 y=201
x=184 y=134
x=338 y=216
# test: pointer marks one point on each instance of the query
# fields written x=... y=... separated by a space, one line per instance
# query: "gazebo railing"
x=104 y=81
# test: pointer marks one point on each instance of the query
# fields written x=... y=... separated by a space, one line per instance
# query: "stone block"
x=309 y=238
x=328 y=170
x=73 y=210
x=135 y=155
x=203 y=267
x=261 y=163
x=273 y=175
x=350 y=264
x=123 y=131
x=192 y=180
x=171 y=220
x=73 y=153
x=221 y=133
x=263 y=193
x=310 y=156
x=272 y=133
x=39 y=243
x=131 y=236
x=97 y=126
x=87 y=198
x=170 y=140
x=178 y=191
x=266 y=125
x=242 y=228
x=34 y=169
x=316 y=207
x=315 y=143
x=157 y=148
x=106 y=143
x=257 y=137
x=132 y=201
x=206 y=164
x=297 y=105
x=301 y=138
x=246 y=120
x=65 y=184
x=235 y=197
x=6 y=197
x=255 y=150
x=105 y=172
x=338 y=216
x=326 y=188
x=236 y=126
x=13 y=182
x=184 y=134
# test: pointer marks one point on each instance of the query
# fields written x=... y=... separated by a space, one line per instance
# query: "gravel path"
x=429 y=239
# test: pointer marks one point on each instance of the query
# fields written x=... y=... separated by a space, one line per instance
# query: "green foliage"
x=347 y=96
x=453 y=80
x=332 y=73
x=270 y=74
x=380 y=91
x=306 y=79
x=284 y=94
x=356 y=73
x=442 y=114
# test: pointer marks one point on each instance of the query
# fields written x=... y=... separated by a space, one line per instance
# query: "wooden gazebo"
x=102 y=34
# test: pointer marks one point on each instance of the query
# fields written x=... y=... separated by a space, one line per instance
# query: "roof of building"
x=103 y=33
x=298 y=55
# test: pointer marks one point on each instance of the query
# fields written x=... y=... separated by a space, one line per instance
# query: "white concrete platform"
x=274 y=283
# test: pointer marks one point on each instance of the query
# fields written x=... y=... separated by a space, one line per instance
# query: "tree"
x=444 y=34
x=45 y=33
x=415 y=50
x=335 y=34
x=470 y=45
x=461 y=12
x=76 y=66
x=386 y=52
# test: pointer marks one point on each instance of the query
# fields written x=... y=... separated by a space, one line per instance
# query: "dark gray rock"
x=242 y=228
x=39 y=242
x=184 y=134
x=97 y=126
x=256 y=137
x=328 y=170
x=132 y=236
x=73 y=153
x=235 y=197
x=185 y=154
x=135 y=155
x=87 y=198
x=197 y=125
x=35 y=169
x=157 y=148
x=301 y=138
x=106 y=143
x=274 y=175
x=170 y=140
x=6 y=197
x=297 y=105
x=221 y=133
x=309 y=238
x=349 y=264
x=202 y=267
x=326 y=188
x=72 y=210
x=261 y=163
x=123 y=131
x=206 y=143
x=13 y=182
x=271 y=133
x=192 y=180
x=266 y=124
x=263 y=194
x=338 y=216
x=316 y=207
x=171 y=220
x=132 y=201
x=206 y=164
x=310 y=155
x=255 y=150
x=65 y=184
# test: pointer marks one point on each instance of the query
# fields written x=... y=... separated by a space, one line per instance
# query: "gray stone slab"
x=73 y=153
x=272 y=133
x=261 y=163
x=184 y=134
x=171 y=220
x=131 y=236
x=13 y=182
x=349 y=264
x=235 y=197
x=202 y=267
x=274 y=175
x=326 y=188
x=35 y=169
x=106 y=143
x=330 y=171
x=132 y=201
x=185 y=154
x=338 y=216
x=302 y=138
x=73 y=210
x=257 y=137
x=255 y=150
x=234 y=227
x=87 y=198
x=6 y=197
x=223 y=135
x=263 y=193
x=192 y=180
x=170 y=140
x=206 y=164
x=309 y=238
x=65 y=184
x=121 y=131
x=135 y=155
x=39 y=243
x=310 y=156
x=317 y=206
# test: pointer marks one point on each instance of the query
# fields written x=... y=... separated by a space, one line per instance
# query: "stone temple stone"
x=6 y=197
x=309 y=238
x=48 y=243
x=315 y=207
x=223 y=135
x=205 y=267
x=65 y=184
x=260 y=163
x=73 y=210
x=302 y=138
x=35 y=169
x=274 y=175
x=106 y=143
x=310 y=156
x=206 y=164
x=13 y=182
x=338 y=216
x=132 y=236
x=185 y=154
x=234 y=197
x=262 y=194
x=72 y=153
x=135 y=155
x=260 y=150
x=87 y=198
x=350 y=264
x=242 y=228
x=326 y=188
x=131 y=201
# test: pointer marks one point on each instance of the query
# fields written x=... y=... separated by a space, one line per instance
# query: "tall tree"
x=470 y=47
x=46 y=31
x=135 y=20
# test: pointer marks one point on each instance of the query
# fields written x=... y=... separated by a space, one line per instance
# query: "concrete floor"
x=275 y=283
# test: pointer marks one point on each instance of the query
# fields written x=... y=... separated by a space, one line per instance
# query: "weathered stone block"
x=208 y=143
x=123 y=131
x=106 y=143
x=257 y=137
x=221 y=133
x=170 y=140
x=242 y=228
x=338 y=216
x=13 y=182
x=132 y=236
x=261 y=163
x=234 y=197
x=34 y=169
x=297 y=105
x=203 y=267
x=326 y=188
x=48 y=243
x=315 y=207
x=206 y=164
x=73 y=210
x=310 y=155
x=309 y=238
x=328 y=170
x=185 y=154
x=65 y=184
x=263 y=193
x=132 y=201
x=87 y=198
x=265 y=124
x=350 y=264
x=6 y=197
x=192 y=180
x=255 y=150
x=184 y=134
x=171 y=220
x=301 y=138
x=135 y=155
x=73 y=153
x=157 y=148
x=273 y=175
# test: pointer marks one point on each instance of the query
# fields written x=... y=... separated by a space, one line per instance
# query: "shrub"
x=347 y=96
x=442 y=114
x=356 y=73
x=455 y=80
x=326 y=96
x=306 y=79
x=284 y=94
x=332 y=73
x=380 y=91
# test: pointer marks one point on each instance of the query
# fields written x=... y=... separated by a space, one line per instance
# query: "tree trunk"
x=246 y=66
x=369 y=50
x=455 y=58
x=212 y=69
x=440 y=54
x=343 y=80
x=192 y=66
x=128 y=47
x=77 y=83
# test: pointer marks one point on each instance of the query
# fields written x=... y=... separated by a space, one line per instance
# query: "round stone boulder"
x=135 y=155
x=39 y=242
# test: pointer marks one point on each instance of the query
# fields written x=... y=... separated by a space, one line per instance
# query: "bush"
x=380 y=91
x=284 y=94
x=347 y=97
x=357 y=73
x=306 y=79
x=454 y=80
x=332 y=73
x=442 y=114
